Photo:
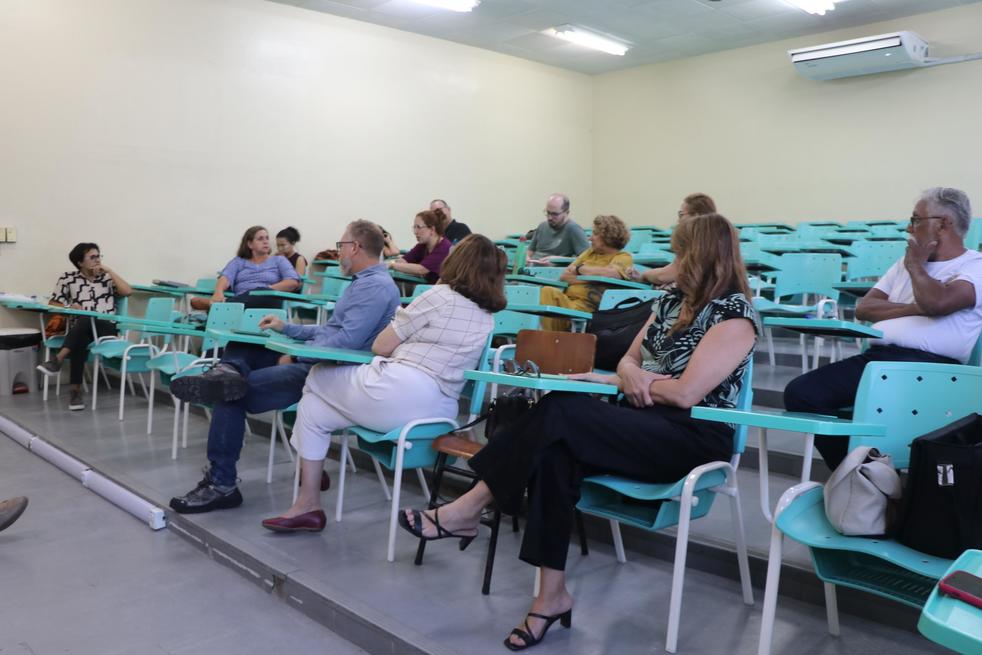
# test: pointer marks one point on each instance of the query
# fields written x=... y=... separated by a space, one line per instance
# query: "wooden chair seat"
x=456 y=446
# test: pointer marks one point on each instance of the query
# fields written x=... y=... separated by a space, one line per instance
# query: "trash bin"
x=18 y=358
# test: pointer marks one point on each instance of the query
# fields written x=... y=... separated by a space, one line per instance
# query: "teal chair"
x=418 y=291
x=895 y=403
x=122 y=354
x=802 y=275
x=404 y=448
x=638 y=238
x=51 y=344
x=871 y=259
x=654 y=507
x=615 y=297
x=222 y=316
x=248 y=319
x=548 y=272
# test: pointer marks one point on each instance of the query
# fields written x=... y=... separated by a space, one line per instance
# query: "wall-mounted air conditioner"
x=871 y=54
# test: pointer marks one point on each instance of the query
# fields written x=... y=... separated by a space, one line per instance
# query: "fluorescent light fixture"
x=818 y=7
x=587 y=39
x=452 y=5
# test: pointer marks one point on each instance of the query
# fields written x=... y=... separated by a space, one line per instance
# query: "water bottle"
x=521 y=254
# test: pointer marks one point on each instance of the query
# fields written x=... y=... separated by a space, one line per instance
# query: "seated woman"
x=692 y=351
x=418 y=373
x=390 y=249
x=426 y=257
x=286 y=241
x=694 y=204
x=604 y=257
x=253 y=268
x=93 y=286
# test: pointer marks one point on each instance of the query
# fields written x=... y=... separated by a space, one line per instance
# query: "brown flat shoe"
x=308 y=522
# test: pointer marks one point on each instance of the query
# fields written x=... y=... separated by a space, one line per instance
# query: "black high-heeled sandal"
x=565 y=619
x=416 y=528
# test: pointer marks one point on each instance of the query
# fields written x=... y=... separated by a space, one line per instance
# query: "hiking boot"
x=221 y=382
x=205 y=497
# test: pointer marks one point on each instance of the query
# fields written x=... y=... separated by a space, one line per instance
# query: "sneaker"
x=50 y=367
x=221 y=382
x=75 y=401
x=205 y=497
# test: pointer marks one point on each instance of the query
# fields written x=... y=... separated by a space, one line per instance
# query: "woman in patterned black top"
x=692 y=351
x=93 y=286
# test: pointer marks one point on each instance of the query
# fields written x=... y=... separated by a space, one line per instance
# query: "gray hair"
x=440 y=200
x=368 y=235
x=953 y=203
x=564 y=198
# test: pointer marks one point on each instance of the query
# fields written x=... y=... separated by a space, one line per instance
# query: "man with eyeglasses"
x=558 y=235
x=251 y=379
x=928 y=306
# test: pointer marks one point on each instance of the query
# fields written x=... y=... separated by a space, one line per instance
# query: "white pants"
x=380 y=396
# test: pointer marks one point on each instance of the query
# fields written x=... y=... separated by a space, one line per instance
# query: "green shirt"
x=568 y=241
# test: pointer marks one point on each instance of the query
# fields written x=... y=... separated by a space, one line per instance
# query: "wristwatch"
x=577 y=269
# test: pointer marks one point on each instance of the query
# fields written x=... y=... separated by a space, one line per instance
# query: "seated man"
x=928 y=306
x=558 y=235
x=252 y=379
x=453 y=229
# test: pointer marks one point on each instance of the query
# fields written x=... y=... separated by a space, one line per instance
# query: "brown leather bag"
x=57 y=324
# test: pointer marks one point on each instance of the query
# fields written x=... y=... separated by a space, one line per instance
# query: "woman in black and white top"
x=93 y=286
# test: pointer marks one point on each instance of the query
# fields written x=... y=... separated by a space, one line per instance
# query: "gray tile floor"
x=620 y=608
x=80 y=576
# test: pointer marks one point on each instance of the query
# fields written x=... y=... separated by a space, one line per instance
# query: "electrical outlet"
x=3 y=235
x=11 y=235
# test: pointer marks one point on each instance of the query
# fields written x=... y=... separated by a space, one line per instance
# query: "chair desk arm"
x=791 y=421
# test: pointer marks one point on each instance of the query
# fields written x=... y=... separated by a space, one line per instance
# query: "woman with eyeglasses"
x=426 y=257
x=92 y=286
x=693 y=350
x=254 y=267
x=694 y=204
x=605 y=258
x=418 y=371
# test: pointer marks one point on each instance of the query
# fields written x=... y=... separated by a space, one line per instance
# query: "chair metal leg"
x=434 y=495
x=351 y=461
x=184 y=436
x=831 y=609
x=802 y=345
x=422 y=482
x=345 y=454
x=150 y=396
x=44 y=385
x=764 y=476
x=129 y=381
x=615 y=533
x=515 y=527
x=381 y=479
x=736 y=517
x=105 y=378
x=95 y=383
x=806 y=458
x=492 y=548
x=296 y=480
x=770 y=593
x=122 y=388
x=396 y=492
x=177 y=423
x=272 y=447
x=678 y=574
x=284 y=439
x=770 y=346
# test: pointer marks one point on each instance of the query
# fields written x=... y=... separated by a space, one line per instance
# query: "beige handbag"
x=860 y=495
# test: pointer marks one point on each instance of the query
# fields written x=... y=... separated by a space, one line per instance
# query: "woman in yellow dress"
x=604 y=257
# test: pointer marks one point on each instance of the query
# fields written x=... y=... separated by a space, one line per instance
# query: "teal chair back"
x=334 y=286
x=550 y=272
x=654 y=248
x=745 y=401
x=614 y=297
x=886 y=231
x=222 y=316
x=122 y=306
x=638 y=238
x=973 y=238
x=975 y=357
x=419 y=290
x=522 y=294
x=808 y=273
x=251 y=317
x=207 y=283
x=912 y=399
x=808 y=232
x=872 y=258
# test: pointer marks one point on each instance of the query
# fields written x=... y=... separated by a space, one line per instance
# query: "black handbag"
x=616 y=328
x=941 y=512
x=507 y=409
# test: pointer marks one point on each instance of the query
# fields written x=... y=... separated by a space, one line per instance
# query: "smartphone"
x=963 y=586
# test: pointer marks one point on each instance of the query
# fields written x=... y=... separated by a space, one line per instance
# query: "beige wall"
x=161 y=129
x=768 y=144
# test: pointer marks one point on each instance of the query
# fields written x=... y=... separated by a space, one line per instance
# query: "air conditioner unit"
x=871 y=54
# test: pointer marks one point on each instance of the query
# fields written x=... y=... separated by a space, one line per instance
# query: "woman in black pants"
x=93 y=286
x=692 y=351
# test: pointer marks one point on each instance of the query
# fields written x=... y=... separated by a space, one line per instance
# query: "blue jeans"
x=270 y=386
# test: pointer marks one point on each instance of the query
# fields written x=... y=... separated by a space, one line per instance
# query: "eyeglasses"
x=94 y=258
x=417 y=228
x=553 y=214
x=338 y=244
x=916 y=220
x=529 y=369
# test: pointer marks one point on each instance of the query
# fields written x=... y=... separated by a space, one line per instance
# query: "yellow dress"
x=584 y=296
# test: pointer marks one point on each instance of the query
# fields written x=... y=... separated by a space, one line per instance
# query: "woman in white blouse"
x=418 y=371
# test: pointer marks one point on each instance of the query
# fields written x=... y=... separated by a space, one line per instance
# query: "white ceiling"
x=657 y=29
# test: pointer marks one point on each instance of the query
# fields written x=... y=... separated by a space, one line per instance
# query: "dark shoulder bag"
x=616 y=328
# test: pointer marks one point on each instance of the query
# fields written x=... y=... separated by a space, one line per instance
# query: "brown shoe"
x=10 y=511
x=325 y=480
x=200 y=303
x=307 y=522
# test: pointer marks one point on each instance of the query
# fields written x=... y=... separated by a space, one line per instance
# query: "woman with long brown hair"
x=418 y=371
x=694 y=204
x=692 y=351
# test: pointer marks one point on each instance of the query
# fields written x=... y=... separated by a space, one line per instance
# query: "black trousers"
x=77 y=341
x=828 y=389
x=567 y=437
x=257 y=302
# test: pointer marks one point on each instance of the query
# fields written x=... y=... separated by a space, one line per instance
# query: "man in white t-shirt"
x=928 y=306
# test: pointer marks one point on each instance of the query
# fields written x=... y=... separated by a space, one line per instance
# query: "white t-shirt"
x=443 y=334
x=953 y=335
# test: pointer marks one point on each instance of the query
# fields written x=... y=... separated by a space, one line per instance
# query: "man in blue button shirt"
x=251 y=379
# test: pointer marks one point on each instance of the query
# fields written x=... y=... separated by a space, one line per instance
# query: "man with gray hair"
x=928 y=306
x=453 y=229
x=558 y=235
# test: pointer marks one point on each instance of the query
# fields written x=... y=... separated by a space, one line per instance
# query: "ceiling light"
x=587 y=39
x=452 y=5
x=818 y=7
